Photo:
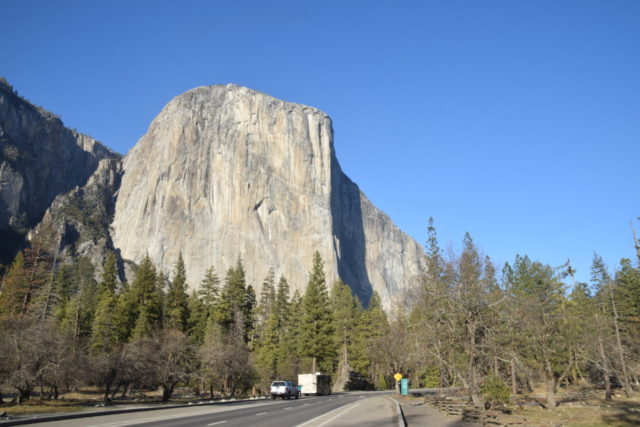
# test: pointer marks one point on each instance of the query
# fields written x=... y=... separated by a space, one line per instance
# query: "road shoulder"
x=417 y=413
x=367 y=411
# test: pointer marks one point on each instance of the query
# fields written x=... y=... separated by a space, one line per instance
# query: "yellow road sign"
x=398 y=376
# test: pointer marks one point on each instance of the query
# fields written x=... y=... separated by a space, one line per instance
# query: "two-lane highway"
x=337 y=409
x=269 y=413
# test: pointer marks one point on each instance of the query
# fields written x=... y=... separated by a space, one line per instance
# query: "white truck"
x=284 y=390
x=317 y=384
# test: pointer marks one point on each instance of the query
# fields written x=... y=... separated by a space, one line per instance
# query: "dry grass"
x=86 y=398
x=41 y=407
x=592 y=411
x=578 y=407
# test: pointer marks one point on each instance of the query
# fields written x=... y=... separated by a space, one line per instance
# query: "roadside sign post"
x=398 y=377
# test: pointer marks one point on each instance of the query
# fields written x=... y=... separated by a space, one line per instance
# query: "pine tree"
x=605 y=286
x=109 y=281
x=66 y=285
x=358 y=356
x=267 y=298
x=202 y=305
x=209 y=288
x=76 y=315
x=434 y=254
x=289 y=352
x=282 y=300
x=317 y=328
x=104 y=335
x=248 y=311
x=177 y=307
x=24 y=281
x=627 y=294
x=198 y=317
x=146 y=289
x=584 y=334
x=374 y=329
x=267 y=351
x=537 y=301
x=276 y=350
x=212 y=356
x=125 y=313
x=628 y=289
x=14 y=289
x=232 y=296
x=142 y=298
x=144 y=326
x=161 y=289
x=350 y=332
x=474 y=304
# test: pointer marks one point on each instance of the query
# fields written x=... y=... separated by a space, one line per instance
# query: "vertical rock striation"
x=225 y=171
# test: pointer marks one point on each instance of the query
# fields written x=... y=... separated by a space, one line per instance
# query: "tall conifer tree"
x=209 y=290
x=317 y=328
x=233 y=298
x=267 y=297
x=177 y=307
x=142 y=298
x=109 y=280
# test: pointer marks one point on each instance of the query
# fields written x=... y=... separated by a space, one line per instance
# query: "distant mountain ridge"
x=223 y=171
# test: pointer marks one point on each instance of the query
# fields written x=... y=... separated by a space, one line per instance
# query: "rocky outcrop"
x=77 y=222
x=39 y=159
x=225 y=171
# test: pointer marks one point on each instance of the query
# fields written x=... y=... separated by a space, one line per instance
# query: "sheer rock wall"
x=225 y=171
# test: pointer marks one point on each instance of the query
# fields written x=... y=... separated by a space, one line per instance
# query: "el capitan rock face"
x=225 y=171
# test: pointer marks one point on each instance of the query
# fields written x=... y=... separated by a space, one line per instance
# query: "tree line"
x=61 y=329
x=534 y=325
x=463 y=323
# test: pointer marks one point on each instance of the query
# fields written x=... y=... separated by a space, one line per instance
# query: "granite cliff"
x=225 y=171
x=40 y=160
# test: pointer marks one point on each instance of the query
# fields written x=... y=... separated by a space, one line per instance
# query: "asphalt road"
x=333 y=410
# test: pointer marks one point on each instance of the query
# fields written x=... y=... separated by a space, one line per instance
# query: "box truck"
x=317 y=384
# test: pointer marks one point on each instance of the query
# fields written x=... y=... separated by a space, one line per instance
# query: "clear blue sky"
x=518 y=121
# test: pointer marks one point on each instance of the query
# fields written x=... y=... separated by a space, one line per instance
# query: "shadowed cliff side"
x=39 y=159
x=349 y=236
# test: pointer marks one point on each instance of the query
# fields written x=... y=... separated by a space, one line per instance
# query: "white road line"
x=400 y=415
x=262 y=413
x=288 y=407
x=349 y=406
x=219 y=422
x=337 y=415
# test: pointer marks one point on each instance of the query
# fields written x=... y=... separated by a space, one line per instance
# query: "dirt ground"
x=576 y=408
x=582 y=407
x=590 y=413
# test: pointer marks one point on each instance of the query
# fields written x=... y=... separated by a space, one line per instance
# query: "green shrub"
x=382 y=383
x=430 y=378
x=495 y=391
